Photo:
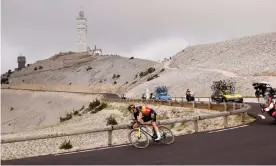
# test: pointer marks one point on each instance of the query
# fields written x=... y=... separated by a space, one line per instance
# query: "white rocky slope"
x=248 y=56
x=243 y=60
x=72 y=68
x=27 y=110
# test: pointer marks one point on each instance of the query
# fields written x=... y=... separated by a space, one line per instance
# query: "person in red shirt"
x=145 y=114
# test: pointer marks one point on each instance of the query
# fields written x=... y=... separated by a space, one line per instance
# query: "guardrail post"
x=225 y=106
x=209 y=99
x=209 y=105
x=198 y=99
x=225 y=118
x=234 y=106
x=243 y=117
x=193 y=104
x=170 y=102
x=175 y=99
x=196 y=125
x=110 y=137
x=182 y=102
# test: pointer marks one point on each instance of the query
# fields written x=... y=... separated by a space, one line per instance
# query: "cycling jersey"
x=147 y=113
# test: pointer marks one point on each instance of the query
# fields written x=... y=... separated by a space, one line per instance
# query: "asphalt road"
x=252 y=145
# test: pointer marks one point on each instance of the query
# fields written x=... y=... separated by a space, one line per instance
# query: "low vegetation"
x=148 y=71
x=133 y=82
x=96 y=106
x=111 y=120
x=70 y=115
x=66 y=145
x=153 y=77
x=116 y=76
x=67 y=117
x=88 y=68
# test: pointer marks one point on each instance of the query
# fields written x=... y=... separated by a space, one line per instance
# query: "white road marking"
x=88 y=150
x=263 y=117
x=227 y=129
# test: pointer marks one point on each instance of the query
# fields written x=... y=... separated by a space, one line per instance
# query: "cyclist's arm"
x=139 y=114
x=139 y=118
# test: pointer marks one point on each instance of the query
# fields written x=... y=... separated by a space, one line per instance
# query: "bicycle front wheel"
x=141 y=141
x=167 y=135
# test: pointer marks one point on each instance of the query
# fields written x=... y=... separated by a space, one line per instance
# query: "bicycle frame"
x=140 y=127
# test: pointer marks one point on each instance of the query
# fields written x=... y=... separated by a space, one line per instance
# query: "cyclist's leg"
x=153 y=122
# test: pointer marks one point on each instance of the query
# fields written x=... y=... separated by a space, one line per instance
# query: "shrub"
x=126 y=82
x=28 y=65
x=68 y=116
x=99 y=108
x=114 y=76
x=76 y=112
x=152 y=77
x=151 y=70
x=136 y=76
x=94 y=104
x=88 y=68
x=118 y=76
x=131 y=57
x=142 y=74
x=133 y=82
x=35 y=68
x=114 y=82
x=40 y=67
x=66 y=145
x=9 y=71
x=162 y=70
x=111 y=121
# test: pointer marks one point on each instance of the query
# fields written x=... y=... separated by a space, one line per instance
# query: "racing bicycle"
x=140 y=133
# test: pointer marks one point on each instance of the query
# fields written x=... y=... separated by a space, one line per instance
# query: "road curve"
x=251 y=145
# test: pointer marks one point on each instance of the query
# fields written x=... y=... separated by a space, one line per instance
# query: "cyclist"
x=145 y=114
x=269 y=106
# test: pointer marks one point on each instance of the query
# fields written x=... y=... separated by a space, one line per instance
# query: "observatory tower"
x=81 y=33
x=21 y=60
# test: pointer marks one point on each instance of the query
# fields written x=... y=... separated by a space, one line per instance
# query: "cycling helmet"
x=130 y=107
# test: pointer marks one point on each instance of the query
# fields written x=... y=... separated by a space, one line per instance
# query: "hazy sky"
x=151 y=29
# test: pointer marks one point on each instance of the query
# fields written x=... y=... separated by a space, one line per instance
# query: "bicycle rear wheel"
x=167 y=135
x=132 y=135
